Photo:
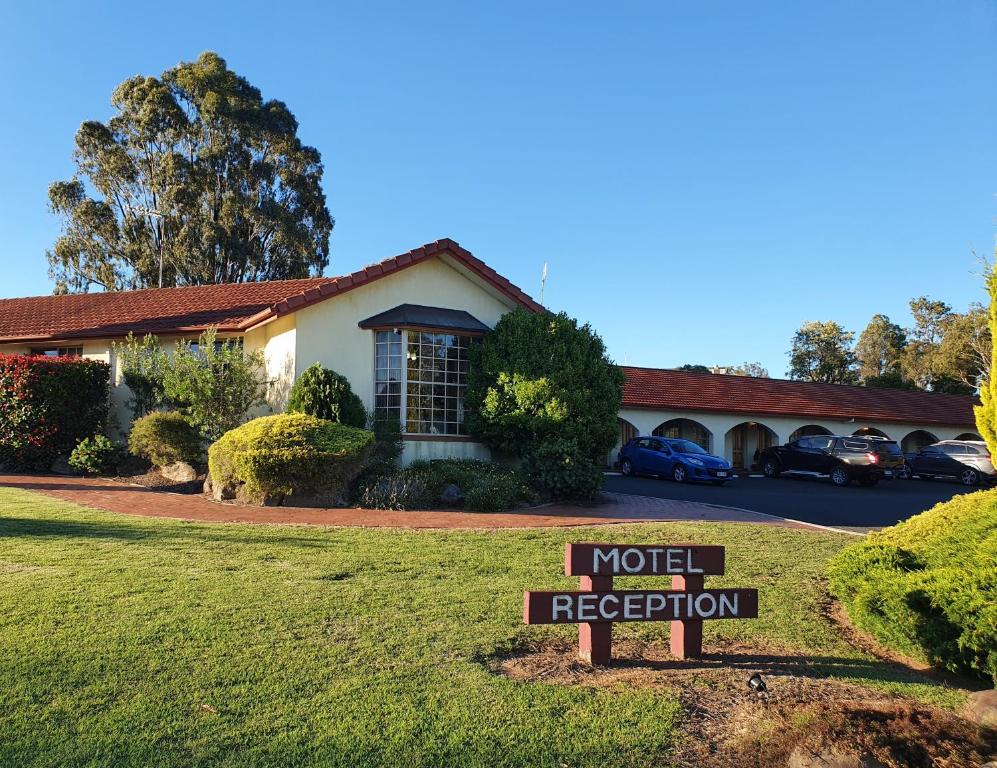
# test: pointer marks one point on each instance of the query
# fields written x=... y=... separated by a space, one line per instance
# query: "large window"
x=432 y=376
x=58 y=351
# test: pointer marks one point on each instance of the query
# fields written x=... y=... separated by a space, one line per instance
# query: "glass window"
x=433 y=376
x=685 y=446
x=821 y=443
x=59 y=352
x=954 y=450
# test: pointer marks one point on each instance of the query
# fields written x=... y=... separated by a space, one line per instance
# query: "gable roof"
x=229 y=307
x=667 y=389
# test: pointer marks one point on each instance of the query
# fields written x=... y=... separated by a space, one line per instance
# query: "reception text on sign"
x=596 y=605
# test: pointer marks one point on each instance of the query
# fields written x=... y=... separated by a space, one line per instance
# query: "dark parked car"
x=841 y=458
x=965 y=460
x=678 y=459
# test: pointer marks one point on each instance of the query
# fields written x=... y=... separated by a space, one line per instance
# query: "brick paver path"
x=116 y=496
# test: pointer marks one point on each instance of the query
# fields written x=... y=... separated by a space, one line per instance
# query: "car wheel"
x=679 y=474
x=770 y=468
x=969 y=477
x=840 y=476
x=627 y=468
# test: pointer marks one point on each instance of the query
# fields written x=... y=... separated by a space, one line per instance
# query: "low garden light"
x=756 y=683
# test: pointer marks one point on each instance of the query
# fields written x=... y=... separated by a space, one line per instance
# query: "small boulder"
x=207 y=485
x=452 y=496
x=831 y=758
x=981 y=708
x=180 y=472
x=60 y=466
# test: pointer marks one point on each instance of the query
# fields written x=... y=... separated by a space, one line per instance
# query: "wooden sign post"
x=596 y=605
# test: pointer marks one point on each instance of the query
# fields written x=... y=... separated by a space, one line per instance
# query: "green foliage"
x=694 y=368
x=822 y=352
x=926 y=587
x=165 y=438
x=497 y=493
x=95 y=455
x=421 y=483
x=143 y=365
x=562 y=470
x=880 y=349
x=948 y=351
x=539 y=377
x=891 y=380
x=986 y=412
x=47 y=405
x=287 y=454
x=327 y=395
x=195 y=179
x=215 y=384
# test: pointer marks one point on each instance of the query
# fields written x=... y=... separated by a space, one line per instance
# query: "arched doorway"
x=808 y=430
x=916 y=440
x=870 y=432
x=969 y=436
x=746 y=441
x=687 y=429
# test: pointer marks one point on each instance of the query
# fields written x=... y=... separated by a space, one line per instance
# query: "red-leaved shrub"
x=47 y=405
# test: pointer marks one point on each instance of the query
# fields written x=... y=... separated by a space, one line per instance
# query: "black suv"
x=843 y=459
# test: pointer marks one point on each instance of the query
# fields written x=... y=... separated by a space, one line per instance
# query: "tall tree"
x=694 y=368
x=755 y=370
x=822 y=351
x=195 y=179
x=963 y=355
x=919 y=359
x=880 y=348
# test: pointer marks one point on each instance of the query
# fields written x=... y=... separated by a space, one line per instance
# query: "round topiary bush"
x=562 y=470
x=95 y=455
x=289 y=457
x=327 y=395
x=165 y=438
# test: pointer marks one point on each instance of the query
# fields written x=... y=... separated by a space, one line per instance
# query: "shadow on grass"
x=27 y=527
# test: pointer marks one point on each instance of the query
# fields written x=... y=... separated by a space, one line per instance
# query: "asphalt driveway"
x=812 y=501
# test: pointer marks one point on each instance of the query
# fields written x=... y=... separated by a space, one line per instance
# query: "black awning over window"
x=434 y=318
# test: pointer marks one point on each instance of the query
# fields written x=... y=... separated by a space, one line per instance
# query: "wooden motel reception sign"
x=596 y=605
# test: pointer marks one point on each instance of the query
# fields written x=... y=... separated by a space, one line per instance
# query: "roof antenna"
x=543 y=283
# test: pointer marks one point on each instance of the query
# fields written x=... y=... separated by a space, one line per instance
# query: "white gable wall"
x=327 y=332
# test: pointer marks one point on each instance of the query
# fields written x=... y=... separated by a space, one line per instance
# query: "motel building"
x=400 y=331
x=738 y=416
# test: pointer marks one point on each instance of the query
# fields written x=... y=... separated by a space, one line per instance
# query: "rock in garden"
x=180 y=472
x=207 y=484
x=60 y=466
x=981 y=708
x=452 y=496
x=831 y=758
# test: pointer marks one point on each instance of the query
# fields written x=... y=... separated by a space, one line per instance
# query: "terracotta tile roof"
x=665 y=389
x=232 y=307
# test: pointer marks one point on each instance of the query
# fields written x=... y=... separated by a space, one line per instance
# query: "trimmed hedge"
x=271 y=458
x=48 y=405
x=928 y=587
x=165 y=437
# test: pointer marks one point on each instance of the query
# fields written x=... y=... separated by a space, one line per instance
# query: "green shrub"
x=538 y=378
x=327 y=395
x=95 y=455
x=421 y=483
x=560 y=469
x=289 y=454
x=928 y=587
x=165 y=438
x=143 y=364
x=494 y=494
x=47 y=405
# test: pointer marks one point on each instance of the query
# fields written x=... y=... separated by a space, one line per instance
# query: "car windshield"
x=685 y=446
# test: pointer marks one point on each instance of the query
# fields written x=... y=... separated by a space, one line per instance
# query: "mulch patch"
x=730 y=726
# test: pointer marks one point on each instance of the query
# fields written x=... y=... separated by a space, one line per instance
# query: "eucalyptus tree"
x=195 y=179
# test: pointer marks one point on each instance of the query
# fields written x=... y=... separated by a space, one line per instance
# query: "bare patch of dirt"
x=730 y=726
x=155 y=480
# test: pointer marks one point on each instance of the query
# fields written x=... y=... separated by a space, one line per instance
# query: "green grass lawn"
x=128 y=641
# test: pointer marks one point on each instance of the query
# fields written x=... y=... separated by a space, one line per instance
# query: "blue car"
x=678 y=459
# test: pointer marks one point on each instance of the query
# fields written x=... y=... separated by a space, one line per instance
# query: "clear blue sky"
x=701 y=177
